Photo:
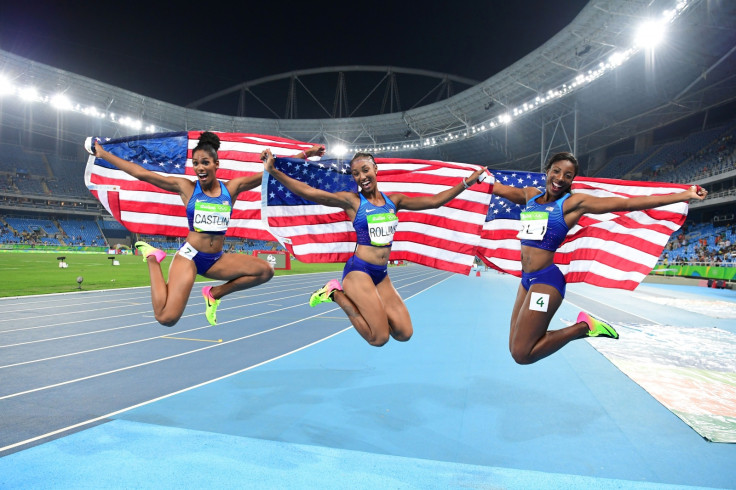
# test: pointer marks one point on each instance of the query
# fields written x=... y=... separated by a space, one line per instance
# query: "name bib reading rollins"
x=381 y=228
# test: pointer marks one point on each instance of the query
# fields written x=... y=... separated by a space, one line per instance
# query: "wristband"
x=465 y=183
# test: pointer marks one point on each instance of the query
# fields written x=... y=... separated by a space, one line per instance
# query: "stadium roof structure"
x=583 y=90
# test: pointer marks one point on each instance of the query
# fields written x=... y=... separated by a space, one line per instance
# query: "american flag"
x=444 y=238
x=615 y=250
x=144 y=208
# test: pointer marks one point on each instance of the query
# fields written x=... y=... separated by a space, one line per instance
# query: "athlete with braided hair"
x=546 y=219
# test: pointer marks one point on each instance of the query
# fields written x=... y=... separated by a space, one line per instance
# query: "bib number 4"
x=539 y=302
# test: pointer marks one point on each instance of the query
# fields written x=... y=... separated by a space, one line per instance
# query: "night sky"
x=182 y=53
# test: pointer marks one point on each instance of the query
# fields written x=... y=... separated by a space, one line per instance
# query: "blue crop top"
x=375 y=225
x=545 y=227
x=209 y=214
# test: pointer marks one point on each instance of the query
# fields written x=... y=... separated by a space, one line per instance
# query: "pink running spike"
x=333 y=285
x=584 y=317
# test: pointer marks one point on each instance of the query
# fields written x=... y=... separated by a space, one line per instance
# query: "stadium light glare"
x=340 y=150
x=28 y=94
x=616 y=58
x=61 y=102
x=649 y=34
x=6 y=88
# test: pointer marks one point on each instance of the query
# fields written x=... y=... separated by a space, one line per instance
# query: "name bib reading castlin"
x=381 y=228
x=533 y=225
x=210 y=217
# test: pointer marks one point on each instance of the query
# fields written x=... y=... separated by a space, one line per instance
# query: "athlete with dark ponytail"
x=209 y=205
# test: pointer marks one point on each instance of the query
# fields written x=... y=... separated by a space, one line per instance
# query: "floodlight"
x=616 y=58
x=28 y=93
x=340 y=150
x=61 y=102
x=6 y=88
x=649 y=34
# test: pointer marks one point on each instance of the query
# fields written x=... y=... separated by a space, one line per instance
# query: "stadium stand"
x=702 y=244
x=41 y=181
x=24 y=162
x=82 y=232
x=66 y=180
x=700 y=155
x=621 y=165
x=31 y=231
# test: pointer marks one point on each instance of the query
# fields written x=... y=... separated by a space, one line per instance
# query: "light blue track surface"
x=449 y=409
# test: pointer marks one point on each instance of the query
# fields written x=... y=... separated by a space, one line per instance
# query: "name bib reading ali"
x=533 y=225
x=381 y=228
x=210 y=217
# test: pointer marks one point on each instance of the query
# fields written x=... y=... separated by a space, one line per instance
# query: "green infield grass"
x=26 y=273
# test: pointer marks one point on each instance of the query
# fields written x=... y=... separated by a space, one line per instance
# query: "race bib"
x=533 y=225
x=381 y=228
x=187 y=251
x=210 y=217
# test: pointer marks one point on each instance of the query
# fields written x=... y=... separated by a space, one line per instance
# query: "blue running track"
x=95 y=394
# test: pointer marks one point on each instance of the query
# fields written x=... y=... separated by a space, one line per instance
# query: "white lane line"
x=78 y=321
x=180 y=332
x=117 y=412
x=149 y=338
x=426 y=275
x=74 y=322
x=161 y=359
x=125 y=326
x=143 y=297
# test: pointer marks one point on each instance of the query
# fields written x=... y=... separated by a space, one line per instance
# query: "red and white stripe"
x=614 y=250
x=444 y=238
x=144 y=208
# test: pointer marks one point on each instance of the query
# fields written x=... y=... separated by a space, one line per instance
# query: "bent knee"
x=167 y=320
x=266 y=273
x=402 y=336
x=520 y=356
x=378 y=341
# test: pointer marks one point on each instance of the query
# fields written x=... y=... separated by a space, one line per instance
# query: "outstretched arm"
x=314 y=151
x=580 y=203
x=430 y=202
x=242 y=184
x=172 y=184
x=344 y=200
